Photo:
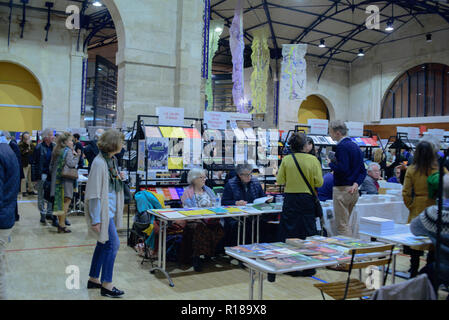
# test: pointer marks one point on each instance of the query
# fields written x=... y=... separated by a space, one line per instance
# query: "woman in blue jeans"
x=105 y=200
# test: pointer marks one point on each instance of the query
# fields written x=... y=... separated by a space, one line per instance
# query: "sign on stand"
x=215 y=120
x=355 y=129
x=318 y=126
x=169 y=116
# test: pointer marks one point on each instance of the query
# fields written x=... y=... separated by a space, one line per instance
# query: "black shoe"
x=32 y=193
x=24 y=194
x=93 y=285
x=43 y=221
x=304 y=273
x=55 y=222
x=49 y=217
x=114 y=293
x=197 y=266
x=67 y=222
x=271 y=277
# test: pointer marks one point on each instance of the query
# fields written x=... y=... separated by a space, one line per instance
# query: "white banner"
x=355 y=129
x=318 y=126
x=169 y=116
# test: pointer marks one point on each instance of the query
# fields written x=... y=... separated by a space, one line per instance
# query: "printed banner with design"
x=237 y=45
x=261 y=64
x=294 y=71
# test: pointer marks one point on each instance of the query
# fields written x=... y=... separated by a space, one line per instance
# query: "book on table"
x=376 y=225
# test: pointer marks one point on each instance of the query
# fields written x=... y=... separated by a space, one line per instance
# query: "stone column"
x=75 y=83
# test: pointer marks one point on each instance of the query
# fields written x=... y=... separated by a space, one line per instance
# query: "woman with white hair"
x=200 y=237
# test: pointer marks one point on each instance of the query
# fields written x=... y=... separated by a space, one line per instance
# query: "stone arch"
x=118 y=23
x=327 y=102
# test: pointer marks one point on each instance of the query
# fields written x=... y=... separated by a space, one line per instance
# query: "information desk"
x=164 y=220
x=401 y=236
x=258 y=268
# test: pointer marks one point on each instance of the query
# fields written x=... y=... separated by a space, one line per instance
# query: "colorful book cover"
x=166 y=131
x=173 y=194
x=175 y=163
x=167 y=194
x=192 y=133
x=323 y=258
x=366 y=141
x=178 y=132
x=157 y=154
x=219 y=210
x=152 y=132
x=180 y=192
x=234 y=210
x=151 y=189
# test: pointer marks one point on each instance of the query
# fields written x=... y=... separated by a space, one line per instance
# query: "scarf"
x=58 y=205
x=115 y=182
x=430 y=217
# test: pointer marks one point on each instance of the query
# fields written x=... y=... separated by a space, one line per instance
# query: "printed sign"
x=355 y=129
x=318 y=126
x=170 y=116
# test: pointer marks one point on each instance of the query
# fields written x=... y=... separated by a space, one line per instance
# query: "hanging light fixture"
x=390 y=25
x=429 y=37
x=97 y=3
x=322 y=45
x=361 y=53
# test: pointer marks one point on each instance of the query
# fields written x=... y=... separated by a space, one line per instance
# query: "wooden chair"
x=354 y=288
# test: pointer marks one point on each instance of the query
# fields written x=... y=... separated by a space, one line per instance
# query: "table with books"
x=387 y=231
x=240 y=213
x=298 y=255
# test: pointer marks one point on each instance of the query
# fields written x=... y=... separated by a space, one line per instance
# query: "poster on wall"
x=141 y=157
x=157 y=154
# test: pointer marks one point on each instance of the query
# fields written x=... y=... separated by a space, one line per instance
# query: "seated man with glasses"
x=239 y=191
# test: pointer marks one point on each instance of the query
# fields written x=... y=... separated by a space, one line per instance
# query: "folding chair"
x=354 y=288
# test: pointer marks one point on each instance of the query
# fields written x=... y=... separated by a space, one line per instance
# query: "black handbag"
x=318 y=208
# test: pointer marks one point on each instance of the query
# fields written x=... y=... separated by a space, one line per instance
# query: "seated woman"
x=200 y=237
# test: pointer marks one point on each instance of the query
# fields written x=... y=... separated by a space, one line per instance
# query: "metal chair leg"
x=322 y=294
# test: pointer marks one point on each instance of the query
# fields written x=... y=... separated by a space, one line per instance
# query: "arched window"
x=422 y=91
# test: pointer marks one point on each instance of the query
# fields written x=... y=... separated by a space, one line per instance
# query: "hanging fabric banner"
x=261 y=63
x=237 y=45
x=206 y=38
x=294 y=71
x=216 y=28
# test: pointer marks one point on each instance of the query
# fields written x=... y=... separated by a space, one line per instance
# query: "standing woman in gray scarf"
x=105 y=200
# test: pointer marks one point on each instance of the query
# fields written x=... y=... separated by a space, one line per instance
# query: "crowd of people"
x=52 y=165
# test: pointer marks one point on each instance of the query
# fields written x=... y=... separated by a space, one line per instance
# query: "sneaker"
x=114 y=293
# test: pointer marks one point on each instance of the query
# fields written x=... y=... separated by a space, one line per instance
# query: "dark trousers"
x=298 y=217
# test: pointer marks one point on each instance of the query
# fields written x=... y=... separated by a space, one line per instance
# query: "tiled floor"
x=38 y=258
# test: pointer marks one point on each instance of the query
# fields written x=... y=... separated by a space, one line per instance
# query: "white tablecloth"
x=394 y=210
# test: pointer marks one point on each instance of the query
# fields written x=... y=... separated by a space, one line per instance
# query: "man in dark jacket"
x=15 y=148
x=9 y=189
x=26 y=152
x=41 y=171
x=349 y=173
x=91 y=150
x=239 y=191
x=79 y=146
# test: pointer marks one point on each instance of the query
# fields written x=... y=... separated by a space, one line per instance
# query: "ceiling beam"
x=267 y=13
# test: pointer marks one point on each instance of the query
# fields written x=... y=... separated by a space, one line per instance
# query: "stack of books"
x=375 y=225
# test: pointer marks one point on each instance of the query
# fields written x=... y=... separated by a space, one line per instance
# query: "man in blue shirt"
x=349 y=172
x=325 y=191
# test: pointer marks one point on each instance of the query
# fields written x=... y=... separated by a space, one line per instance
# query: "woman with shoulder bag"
x=300 y=208
x=63 y=177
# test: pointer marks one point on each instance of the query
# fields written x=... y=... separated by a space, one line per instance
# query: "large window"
x=422 y=91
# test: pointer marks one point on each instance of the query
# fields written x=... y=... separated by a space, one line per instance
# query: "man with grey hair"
x=9 y=189
x=349 y=172
x=40 y=169
x=91 y=150
x=370 y=184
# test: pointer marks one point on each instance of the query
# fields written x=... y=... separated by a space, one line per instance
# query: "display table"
x=78 y=204
x=381 y=206
x=402 y=236
x=258 y=267
x=165 y=219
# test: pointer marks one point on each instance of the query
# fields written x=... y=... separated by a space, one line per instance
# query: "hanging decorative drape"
x=261 y=63
x=206 y=24
x=216 y=28
x=237 y=47
x=294 y=73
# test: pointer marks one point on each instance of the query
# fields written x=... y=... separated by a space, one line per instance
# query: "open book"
x=262 y=200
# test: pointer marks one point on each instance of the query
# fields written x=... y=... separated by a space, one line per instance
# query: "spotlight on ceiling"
x=218 y=29
x=97 y=3
x=429 y=37
x=322 y=45
x=361 y=53
x=389 y=25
